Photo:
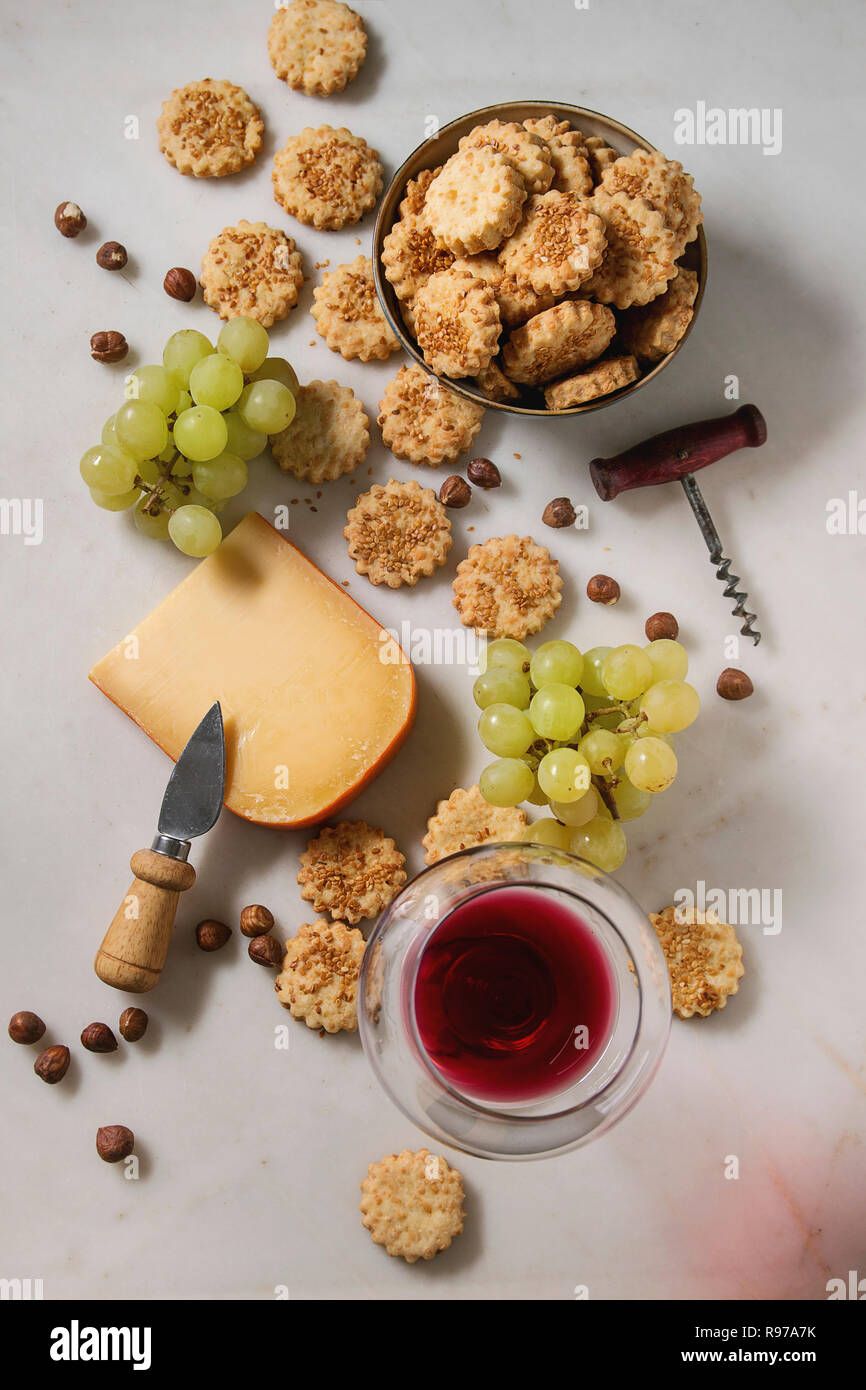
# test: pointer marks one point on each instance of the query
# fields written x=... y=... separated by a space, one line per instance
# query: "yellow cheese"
x=312 y=712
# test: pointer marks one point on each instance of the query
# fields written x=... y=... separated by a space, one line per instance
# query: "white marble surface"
x=251 y=1157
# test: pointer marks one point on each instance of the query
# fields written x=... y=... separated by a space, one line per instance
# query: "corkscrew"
x=678 y=454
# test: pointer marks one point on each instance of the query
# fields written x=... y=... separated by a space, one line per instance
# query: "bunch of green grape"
x=178 y=447
x=586 y=733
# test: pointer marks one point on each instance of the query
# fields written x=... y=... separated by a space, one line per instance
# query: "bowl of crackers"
x=540 y=258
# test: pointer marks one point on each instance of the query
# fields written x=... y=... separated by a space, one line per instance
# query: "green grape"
x=195 y=531
x=224 y=476
x=171 y=495
x=245 y=342
x=200 y=433
x=650 y=764
x=245 y=443
x=669 y=660
x=631 y=802
x=277 y=369
x=501 y=686
x=603 y=750
x=154 y=384
x=556 y=712
x=267 y=405
x=602 y=842
x=670 y=706
x=536 y=797
x=548 y=832
x=602 y=721
x=184 y=401
x=513 y=656
x=216 y=381
x=109 y=469
x=505 y=731
x=182 y=468
x=575 y=813
x=109 y=432
x=182 y=351
x=556 y=663
x=626 y=672
x=591 y=682
x=193 y=498
x=149 y=471
x=141 y=429
x=564 y=774
x=117 y=502
x=506 y=782
x=168 y=453
x=153 y=525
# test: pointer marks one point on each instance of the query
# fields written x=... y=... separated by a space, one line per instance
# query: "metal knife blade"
x=194 y=795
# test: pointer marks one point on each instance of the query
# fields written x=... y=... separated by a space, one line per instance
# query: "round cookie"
x=664 y=185
x=557 y=246
x=610 y=375
x=507 y=587
x=558 y=340
x=465 y=819
x=316 y=46
x=327 y=178
x=209 y=129
x=704 y=958
x=641 y=251
x=412 y=1204
x=349 y=316
x=254 y=270
x=456 y=323
x=654 y=331
x=411 y=254
x=527 y=151
x=351 y=871
x=318 y=981
x=328 y=437
x=476 y=201
x=424 y=422
x=398 y=533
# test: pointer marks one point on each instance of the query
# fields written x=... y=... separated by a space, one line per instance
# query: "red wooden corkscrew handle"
x=670 y=456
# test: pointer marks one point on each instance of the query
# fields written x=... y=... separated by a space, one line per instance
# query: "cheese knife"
x=134 y=948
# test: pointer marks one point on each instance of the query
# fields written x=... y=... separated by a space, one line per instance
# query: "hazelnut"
x=662 y=625
x=114 y=1143
x=734 y=685
x=256 y=920
x=558 y=513
x=52 y=1064
x=266 y=950
x=25 y=1027
x=111 y=256
x=69 y=219
x=602 y=589
x=455 y=492
x=133 y=1024
x=484 y=473
x=211 y=935
x=98 y=1037
x=180 y=283
x=109 y=346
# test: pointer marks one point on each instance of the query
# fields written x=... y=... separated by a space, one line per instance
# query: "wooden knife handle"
x=675 y=453
x=133 y=949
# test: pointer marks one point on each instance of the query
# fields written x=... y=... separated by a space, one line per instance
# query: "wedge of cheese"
x=316 y=697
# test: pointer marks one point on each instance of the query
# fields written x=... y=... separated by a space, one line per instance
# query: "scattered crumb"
x=322 y=265
x=470 y=528
x=518 y=456
x=312 y=508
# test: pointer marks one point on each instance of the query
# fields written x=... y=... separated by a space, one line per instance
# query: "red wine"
x=514 y=996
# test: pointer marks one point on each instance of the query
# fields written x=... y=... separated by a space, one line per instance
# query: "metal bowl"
x=439 y=148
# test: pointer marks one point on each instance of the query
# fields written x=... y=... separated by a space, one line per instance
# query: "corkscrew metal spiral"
x=718 y=558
